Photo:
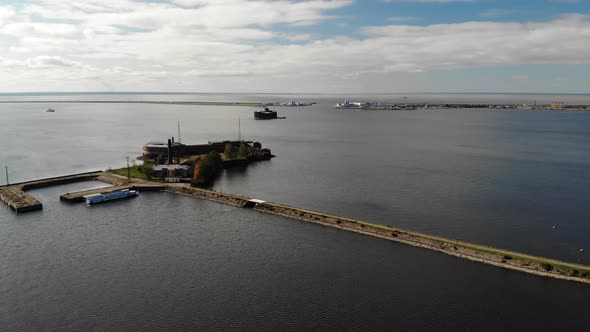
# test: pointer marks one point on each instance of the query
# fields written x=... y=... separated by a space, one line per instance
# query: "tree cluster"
x=243 y=152
x=207 y=169
x=230 y=152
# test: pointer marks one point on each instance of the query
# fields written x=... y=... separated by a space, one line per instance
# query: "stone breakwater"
x=483 y=254
x=498 y=257
x=14 y=195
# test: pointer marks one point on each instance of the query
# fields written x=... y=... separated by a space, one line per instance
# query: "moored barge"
x=106 y=197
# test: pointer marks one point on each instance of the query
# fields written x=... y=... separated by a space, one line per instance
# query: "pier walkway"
x=478 y=253
x=79 y=196
x=16 y=198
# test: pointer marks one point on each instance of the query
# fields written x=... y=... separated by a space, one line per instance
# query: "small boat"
x=50 y=110
x=101 y=198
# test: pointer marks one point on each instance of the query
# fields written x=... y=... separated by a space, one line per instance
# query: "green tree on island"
x=216 y=160
x=209 y=168
x=230 y=152
x=244 y=151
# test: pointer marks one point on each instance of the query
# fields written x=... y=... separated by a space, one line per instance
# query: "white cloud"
x=6 y=13
x=42 y=30
x=224 y=45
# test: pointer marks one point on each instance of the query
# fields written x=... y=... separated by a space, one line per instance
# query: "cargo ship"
x=106 y=197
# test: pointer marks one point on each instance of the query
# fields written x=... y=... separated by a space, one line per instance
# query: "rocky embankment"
x=483 y=254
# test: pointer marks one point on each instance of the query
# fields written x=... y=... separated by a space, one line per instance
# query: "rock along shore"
x=483 y=254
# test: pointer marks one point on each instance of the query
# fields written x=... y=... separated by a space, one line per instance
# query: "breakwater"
x=79 y=196
x=508 y=259
x=484 y=254
x=15 y=197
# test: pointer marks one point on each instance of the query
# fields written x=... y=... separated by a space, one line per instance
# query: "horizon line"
x=284 y=93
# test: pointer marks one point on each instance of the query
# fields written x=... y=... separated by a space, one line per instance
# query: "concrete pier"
x=483 y=254
x=79 y=196
x=15 y=197
x=17 y=200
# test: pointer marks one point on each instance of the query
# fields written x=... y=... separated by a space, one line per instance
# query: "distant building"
x=170 y=171
x=558 y=106
x=348 y=104
x=155 y=150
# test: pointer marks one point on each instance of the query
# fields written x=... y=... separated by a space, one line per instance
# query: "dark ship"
x=267 y=114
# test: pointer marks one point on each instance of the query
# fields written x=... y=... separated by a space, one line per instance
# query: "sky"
x=295 y=46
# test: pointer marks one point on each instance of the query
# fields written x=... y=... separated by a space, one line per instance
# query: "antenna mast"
x=179 y=139
x=128 y=170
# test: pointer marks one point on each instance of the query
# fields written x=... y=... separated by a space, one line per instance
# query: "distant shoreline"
x=367 y=106
x=186 y=103
x=105 y=93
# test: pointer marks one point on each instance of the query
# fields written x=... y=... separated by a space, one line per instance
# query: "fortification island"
x=198 y=164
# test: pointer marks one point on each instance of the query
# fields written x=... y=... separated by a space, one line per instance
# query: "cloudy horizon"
x=307 y=46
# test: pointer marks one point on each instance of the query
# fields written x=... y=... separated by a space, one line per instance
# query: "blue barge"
x=101 y=198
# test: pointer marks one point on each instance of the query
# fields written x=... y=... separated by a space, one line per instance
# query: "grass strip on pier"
x=484 y=254
x=479 y=253
x=137 y=171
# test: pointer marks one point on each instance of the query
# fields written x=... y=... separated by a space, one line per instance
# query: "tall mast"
x=179 y=139
x=239 y=129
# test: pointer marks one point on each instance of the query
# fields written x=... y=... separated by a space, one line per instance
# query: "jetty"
x=79 y=196
x=507 y=259
x=16 y=198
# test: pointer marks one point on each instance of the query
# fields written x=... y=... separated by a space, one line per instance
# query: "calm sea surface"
x=502 y=178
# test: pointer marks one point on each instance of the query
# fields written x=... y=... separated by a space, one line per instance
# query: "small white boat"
x=50 y=110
